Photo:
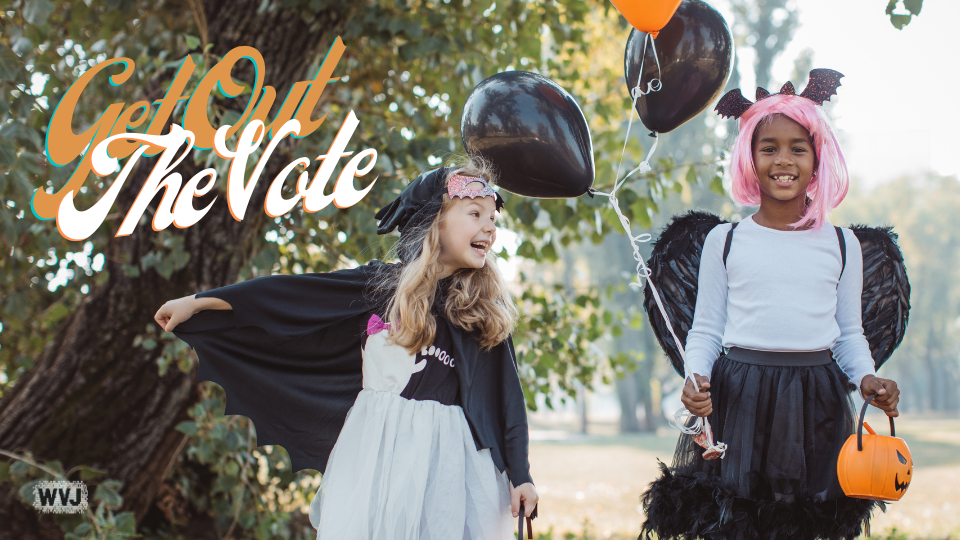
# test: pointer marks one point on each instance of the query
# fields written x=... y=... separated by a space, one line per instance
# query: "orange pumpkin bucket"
x=872 y=466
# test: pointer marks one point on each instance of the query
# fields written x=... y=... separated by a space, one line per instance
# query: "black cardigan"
x=288 y=357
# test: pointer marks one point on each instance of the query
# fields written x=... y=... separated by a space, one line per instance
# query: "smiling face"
x=467 y=233
x=784 y=159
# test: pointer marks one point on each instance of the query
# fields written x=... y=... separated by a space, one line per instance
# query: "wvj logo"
x=60 y=496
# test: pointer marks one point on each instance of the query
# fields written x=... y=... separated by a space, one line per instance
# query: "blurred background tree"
x=923 y=210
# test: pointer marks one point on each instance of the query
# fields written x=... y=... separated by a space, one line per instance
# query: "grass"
x=590 y=484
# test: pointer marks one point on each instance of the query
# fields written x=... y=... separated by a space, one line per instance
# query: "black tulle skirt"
x=784 y=418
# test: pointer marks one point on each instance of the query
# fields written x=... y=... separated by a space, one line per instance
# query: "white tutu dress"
x=405 y=466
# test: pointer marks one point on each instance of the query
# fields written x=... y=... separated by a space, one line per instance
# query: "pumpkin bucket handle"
x=863 y=413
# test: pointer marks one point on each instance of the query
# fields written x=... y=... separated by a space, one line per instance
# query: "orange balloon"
x=647 y=15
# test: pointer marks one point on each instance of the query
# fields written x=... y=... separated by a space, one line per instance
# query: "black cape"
x=675 y=265
x=288 y=357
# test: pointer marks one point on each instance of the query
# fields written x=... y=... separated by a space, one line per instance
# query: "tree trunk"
x=93 y=398
x=627 y=393
x=651 y=349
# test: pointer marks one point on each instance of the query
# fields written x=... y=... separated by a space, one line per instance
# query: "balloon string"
x=654 y=85
x=700 y=424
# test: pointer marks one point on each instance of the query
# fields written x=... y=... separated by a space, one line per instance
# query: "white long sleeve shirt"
x=779 y=292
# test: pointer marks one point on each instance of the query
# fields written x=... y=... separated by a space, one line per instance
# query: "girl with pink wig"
x=779 y=301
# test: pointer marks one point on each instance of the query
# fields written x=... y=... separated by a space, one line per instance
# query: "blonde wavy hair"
x=478 y=299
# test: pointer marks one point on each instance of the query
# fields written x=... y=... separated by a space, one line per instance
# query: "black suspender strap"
x=726 y=246
x=843 y=247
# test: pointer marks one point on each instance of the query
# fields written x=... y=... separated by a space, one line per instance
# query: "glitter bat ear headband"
x=823 y=83
x=458 y=186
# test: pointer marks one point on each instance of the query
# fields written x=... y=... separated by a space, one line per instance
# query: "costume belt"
x=782 y=359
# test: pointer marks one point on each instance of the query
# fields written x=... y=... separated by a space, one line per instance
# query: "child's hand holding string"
x=698 y=403
x=888 y=395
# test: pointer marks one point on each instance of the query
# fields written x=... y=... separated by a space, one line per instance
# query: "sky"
x=896 y=110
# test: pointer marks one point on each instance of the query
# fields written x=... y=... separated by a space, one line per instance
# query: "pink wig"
x=830 y=179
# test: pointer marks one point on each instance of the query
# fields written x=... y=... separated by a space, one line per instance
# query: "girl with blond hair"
x=399 y=381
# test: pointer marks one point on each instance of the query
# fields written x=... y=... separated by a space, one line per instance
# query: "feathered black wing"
x=886 y=291
x=675 y=265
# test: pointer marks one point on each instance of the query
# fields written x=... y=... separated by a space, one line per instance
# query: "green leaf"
x=193 y=42
x=56 y=466
x=108 y=492
x=413 y=30
x=57 y=312
x=8 y=152
x=18 y=130
x=11 y=68
x=205 y=451
x=899 y=21
x=234 y=441
x=187 y=428
x=549 y=252
x=26 y=492
x=525 y=212
x=218 y=432
x=37 y=11
x=17 y=304
x=88 y=473
x=643 y=218
x=126 y=523
x=913 y=6
x=716 y=186
x=527 y=250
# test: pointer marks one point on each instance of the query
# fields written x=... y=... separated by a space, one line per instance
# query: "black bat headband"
x=823 y=83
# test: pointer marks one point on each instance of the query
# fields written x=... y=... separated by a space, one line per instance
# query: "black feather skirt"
x=784 y=418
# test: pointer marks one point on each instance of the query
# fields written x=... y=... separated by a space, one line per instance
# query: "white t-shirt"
x=780 y=292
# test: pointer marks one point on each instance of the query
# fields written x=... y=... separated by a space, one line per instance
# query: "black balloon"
x=533 y=132
x=696 y=55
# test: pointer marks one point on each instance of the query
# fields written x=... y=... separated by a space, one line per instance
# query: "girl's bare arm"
x=176 y=311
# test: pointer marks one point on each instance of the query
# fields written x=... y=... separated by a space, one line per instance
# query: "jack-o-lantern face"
x=881 y=471
x=897 y=484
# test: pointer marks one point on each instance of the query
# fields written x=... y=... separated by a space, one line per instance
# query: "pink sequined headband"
x=458 y=186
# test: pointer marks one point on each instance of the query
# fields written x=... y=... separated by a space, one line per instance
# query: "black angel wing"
x=886 y=291
x=675 y=265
